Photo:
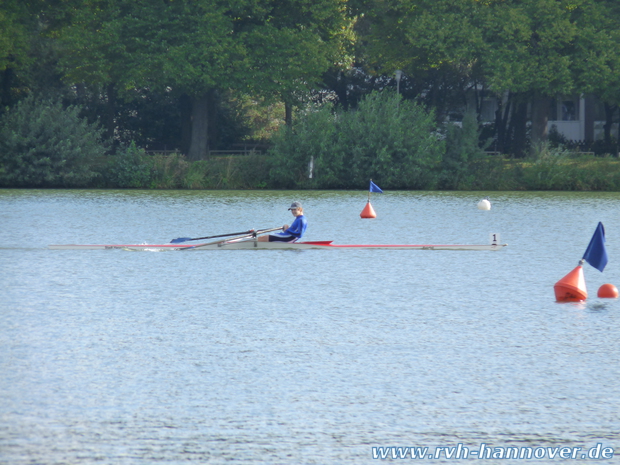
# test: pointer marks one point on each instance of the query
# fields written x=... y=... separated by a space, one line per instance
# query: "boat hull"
x=255 y=245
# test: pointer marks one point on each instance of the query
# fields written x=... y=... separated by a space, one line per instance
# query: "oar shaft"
x=264 y=231
x=244 y=236
x=222 y=235
x=252 y=234
x=185 y=239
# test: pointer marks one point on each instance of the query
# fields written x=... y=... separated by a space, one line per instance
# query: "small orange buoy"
x=368 y=211
x=608 y=291
x=572 y=287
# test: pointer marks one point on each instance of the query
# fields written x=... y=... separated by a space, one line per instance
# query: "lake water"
x=303 y=357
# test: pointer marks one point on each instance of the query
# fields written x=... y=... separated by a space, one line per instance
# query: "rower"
x=290 y=233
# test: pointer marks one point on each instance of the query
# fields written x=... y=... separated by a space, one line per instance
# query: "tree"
x=521 y=48
x=294 y=48
x=17 y=26
x=437 y=43
x=117 y=46
x=197 y=48
x=528 y=50
x=43 y=144
x=597 y=56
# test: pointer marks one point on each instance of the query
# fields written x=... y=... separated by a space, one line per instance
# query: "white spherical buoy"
x=484 y=204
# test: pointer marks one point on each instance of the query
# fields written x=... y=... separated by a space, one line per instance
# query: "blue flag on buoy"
x=375 y=188
x=596 y=254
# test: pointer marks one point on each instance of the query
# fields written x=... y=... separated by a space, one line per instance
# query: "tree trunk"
x=6 y=81
x=110 y=111
x=212 y=114
x=609 y=121
x=185 y=105
x=501 y=123
x=288 y=114
x=518 y=131
x=540 y=117
x=340 y=87
x=199 y=146
x=618 y=136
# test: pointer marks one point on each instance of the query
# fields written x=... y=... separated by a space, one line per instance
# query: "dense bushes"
x=43 y=144
x=393 y=142
x=133 y=168
x=399 y=149
x=386 y=139
x=130 y=167
x=464 y=162
x=556 y=168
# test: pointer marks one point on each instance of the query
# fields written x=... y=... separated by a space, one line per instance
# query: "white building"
x=577 y=118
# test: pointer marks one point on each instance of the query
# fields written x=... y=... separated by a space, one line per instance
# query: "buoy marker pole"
x=368 y=211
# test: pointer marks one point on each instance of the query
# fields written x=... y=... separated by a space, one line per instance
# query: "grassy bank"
x=176 y=172
x=553 y=169
x=549 y=170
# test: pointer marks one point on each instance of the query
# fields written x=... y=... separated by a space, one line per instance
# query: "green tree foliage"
x=530 y=49
x=311 y=140
x=528 y=45
x=147 y=60
x=43 y=144
x=18 y=31
x=437 y=43
x=386 y=139
x=198 y=47
x=113 y=47
x=463 y=153
x=292 y=49
x=597 y=56
x=13 y=32
x=130 y=167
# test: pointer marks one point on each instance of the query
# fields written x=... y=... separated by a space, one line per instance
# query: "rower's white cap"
x=295 y=205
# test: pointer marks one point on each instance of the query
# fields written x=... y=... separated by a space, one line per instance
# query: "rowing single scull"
x=249 y=241
x=255 y=245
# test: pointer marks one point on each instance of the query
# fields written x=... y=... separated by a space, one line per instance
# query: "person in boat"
x=290 y=233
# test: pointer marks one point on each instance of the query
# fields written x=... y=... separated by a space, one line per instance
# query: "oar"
x=244 y=236
x=185 y=239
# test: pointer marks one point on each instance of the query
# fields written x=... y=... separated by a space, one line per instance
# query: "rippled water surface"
x=301 y=357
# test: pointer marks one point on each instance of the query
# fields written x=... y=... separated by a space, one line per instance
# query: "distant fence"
x=575 y=154
x=245 y=151
x=230 y=153
x=161 y=152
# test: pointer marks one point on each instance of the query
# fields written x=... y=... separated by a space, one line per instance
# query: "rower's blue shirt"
x=298 y=228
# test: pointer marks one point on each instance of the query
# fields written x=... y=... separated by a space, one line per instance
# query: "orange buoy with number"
x=608 y=291
x=572 y=287
x=368 y=211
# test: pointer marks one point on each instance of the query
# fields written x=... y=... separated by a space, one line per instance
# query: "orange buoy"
x=368 y=211
x=572 y=287
x=608 y=291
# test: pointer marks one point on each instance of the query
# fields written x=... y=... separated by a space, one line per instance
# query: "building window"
x=569 y=112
